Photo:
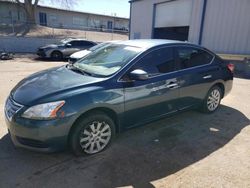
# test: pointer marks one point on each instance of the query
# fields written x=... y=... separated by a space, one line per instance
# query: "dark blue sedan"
x=117 y=87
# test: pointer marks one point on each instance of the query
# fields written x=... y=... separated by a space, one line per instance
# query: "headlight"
x=43 y=111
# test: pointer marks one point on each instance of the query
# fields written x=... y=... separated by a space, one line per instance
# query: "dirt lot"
x=187 y=150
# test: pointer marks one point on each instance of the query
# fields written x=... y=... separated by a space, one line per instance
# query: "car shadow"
x=136 y=158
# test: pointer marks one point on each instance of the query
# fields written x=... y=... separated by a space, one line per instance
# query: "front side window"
x=191 y=57
x=108 y=60
x=157 y=62
x=85 y=43
x=74 y=43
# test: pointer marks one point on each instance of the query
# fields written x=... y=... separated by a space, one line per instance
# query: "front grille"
x=11 y=107
x=40 y=52
x=31 y=142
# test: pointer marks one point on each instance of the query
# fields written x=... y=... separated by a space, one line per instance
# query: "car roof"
x=77 y=39
x=149 y=43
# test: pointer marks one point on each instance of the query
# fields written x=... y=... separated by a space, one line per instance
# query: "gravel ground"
x=187 y=150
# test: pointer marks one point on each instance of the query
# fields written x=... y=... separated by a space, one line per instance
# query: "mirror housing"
x=138 y=74
x=68 y=45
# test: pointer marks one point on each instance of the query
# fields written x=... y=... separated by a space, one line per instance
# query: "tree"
x=30 y=6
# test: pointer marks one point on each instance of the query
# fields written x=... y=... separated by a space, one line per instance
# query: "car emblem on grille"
x=11 y=107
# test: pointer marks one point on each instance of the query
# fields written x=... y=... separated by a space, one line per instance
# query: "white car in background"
x=80 y=54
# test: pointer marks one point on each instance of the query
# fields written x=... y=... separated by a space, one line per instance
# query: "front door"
x=74 y=47
x=156 y=96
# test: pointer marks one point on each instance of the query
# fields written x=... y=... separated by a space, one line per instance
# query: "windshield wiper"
x=74 y=68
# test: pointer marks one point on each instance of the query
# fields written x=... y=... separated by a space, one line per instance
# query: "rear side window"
x=192 y=57
x=157 y=62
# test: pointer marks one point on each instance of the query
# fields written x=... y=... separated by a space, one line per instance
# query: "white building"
x=220 y=25
x=11 y=13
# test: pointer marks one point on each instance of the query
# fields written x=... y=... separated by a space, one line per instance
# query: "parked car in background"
x=117 y=87
x=80 y=54
x=64 y=48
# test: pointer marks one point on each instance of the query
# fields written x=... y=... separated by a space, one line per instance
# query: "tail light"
x=230 y=66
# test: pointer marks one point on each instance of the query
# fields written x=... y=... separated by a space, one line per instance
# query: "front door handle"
x=207 y=76
x=172 y=85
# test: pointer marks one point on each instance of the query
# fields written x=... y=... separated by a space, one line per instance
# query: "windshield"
x=98 y=46
x=107 y=60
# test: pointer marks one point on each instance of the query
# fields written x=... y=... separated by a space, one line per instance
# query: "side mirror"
x=138 y=74
x=68 y=45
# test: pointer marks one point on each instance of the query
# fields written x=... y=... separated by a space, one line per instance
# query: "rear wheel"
x=212 y=100
x=56 y=55
x=92 y=134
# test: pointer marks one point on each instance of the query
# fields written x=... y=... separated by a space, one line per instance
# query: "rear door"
x=155 y=97
x=196 y=73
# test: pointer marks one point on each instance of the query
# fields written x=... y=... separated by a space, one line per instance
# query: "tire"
x=56 y=55
x=212 y=101
x=92 y=134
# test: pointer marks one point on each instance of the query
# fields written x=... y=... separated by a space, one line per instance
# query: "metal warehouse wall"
x=142 y=18
x=227 y=26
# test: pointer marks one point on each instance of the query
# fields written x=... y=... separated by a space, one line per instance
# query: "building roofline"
x=132 y=1
x=74 y=11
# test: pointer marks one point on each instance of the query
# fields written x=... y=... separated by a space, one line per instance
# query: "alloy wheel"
x=95 y=137
x=213 y=100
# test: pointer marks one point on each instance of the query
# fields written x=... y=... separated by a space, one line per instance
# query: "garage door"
x=173 y=14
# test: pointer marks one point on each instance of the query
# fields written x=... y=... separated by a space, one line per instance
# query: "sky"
x=108 y=7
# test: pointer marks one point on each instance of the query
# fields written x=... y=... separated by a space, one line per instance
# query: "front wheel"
x=92 y=134
x=212 y=100
x=56 y=55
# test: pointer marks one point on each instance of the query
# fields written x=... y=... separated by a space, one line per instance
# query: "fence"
x=19 y=37
x=61 y=31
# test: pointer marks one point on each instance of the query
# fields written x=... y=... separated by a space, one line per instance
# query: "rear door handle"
x=207 y=76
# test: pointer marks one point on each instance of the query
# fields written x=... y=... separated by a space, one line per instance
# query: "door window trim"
x=174 y=46
x=197 y=66
x=154 y=49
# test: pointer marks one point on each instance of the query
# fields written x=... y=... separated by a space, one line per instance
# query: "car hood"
x=80 y=54
x=49 y=82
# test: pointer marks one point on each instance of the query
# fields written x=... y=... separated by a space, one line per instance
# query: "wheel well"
x=221 y=86
x=57 y=52
x=112 y=114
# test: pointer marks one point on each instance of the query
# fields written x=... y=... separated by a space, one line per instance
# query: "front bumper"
x=41 y=53
x=37 y=135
